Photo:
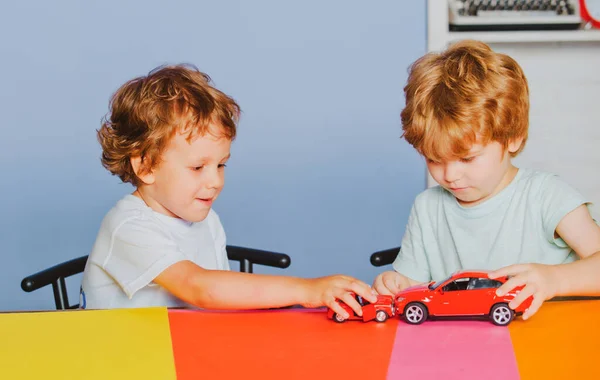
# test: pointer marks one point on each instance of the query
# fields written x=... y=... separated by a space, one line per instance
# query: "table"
x=562 y=341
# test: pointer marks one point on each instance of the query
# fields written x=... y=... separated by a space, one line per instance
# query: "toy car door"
x=481 y=295
x=453 y=299
x=368 y=309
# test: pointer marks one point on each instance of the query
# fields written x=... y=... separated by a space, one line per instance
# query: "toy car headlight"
x=399 y=299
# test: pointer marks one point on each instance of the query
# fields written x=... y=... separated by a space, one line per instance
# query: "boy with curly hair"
x=169 y=134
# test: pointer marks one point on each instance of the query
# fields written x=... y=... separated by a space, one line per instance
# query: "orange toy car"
x=379 y=311
x=463 y=294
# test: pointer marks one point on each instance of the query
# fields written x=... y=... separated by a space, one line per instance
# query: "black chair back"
x=57 y=274
x=385 y=257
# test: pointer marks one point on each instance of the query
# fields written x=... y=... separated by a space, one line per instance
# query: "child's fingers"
x=337 y=308
x=350 y=301
x=510 y=285
x=362 y=290
x=391 y=283
x=510 y=270
x=380 y=288
x=527 y=292
x=535 y=305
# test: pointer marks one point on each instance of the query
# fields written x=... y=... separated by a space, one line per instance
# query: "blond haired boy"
x=169 y=134
x=467 y=114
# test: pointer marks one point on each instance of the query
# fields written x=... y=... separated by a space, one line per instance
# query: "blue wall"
x=318 y=170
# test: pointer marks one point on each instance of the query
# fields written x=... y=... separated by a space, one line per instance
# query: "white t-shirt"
x=135 y=244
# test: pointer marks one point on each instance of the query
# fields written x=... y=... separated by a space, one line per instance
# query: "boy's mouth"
x=206 y=201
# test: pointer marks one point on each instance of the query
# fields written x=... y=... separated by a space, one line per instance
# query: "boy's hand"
x=541 y=281
x=325 y=291
x=391 y=282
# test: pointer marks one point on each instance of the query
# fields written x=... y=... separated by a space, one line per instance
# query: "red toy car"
x=463 y=294
x=379 y=311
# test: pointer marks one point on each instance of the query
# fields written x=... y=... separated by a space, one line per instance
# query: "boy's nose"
x=215 y=180
x=452 y=173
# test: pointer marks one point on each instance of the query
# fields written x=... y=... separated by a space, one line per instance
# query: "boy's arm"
x=543 y=282
x=142 y=252
x=582 y=234
x=217 y=289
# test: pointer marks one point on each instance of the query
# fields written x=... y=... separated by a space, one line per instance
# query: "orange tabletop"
x=285 y=344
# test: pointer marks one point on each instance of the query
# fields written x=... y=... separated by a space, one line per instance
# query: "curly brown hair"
x=146 y=112
x=465 y=95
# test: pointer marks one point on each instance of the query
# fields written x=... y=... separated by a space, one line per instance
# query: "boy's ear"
x=141 y=170
x=515 y=144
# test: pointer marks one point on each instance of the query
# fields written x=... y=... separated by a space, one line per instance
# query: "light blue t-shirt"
x=515 y=226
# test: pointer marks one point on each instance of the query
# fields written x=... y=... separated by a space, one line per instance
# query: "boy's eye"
x=197 y=168
x=467 y=159
x=430 y=161
x=222 y=165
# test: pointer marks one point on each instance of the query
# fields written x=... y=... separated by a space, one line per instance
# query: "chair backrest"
x=385 y=257
x=247 y=257
x=57 y=274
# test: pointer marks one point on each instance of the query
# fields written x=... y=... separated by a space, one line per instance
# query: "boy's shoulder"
x=131 y=213
x=540 y=184
x=128 y=207
x=536 y=177
x=431 y=195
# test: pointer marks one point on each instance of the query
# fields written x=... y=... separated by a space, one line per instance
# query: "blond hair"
x=465 y=95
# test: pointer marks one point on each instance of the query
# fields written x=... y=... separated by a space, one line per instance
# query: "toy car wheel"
x=381 y=316
x=338 y=318
x=501 y=314
x=415 y=313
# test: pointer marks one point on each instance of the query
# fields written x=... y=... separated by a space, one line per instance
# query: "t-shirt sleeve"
x=558 y=198
x=139 y=251
x=411 y=260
